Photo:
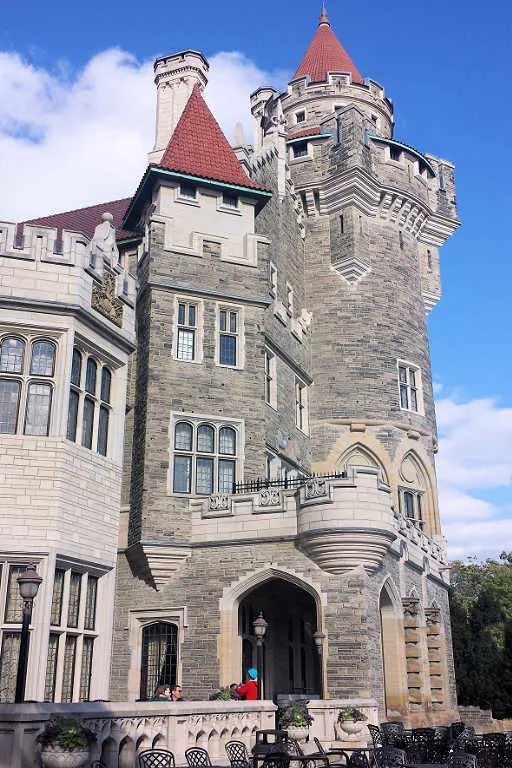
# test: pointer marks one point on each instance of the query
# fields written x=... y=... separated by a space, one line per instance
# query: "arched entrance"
x=393 y=657
x=290 y=659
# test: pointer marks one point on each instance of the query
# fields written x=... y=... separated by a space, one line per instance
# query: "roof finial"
x=324 y=19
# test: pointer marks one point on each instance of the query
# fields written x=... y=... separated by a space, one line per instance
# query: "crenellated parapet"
x=39 y=263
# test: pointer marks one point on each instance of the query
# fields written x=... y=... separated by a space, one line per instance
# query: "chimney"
x=175 y=76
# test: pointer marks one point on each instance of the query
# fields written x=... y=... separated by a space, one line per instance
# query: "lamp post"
x=319 y=638
x=259 y=626
x=28 y=582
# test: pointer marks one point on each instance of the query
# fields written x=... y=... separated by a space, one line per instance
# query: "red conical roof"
x=199 y=148
x=326 y=54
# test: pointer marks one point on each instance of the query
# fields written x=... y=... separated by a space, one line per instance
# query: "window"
x=300 y=149
x=187 y=321
x=411 y=505
x=159 y=662
x=69 y=665
x=89 y=406
x=429 y=261
x=229 y=352
x=188 y=191
x=229 y=200
x=301 y=411
x=273 y=280
x=27 y=369
x=300 y=116
x=409 y=382
x=270 y=379
x=205 y=456
x=342 y=224
x=395 y=154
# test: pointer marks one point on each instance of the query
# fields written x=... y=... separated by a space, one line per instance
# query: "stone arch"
x=213 y=743
x=229 y=646
x=361 y=455
x=159 y=742
x=415 y=473
x=393 y=650
x=109 y=752
x=143 y=742
x=370 y=449
x=127 y=753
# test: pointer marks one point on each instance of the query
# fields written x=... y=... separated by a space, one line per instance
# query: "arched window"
x=11 y=355
x=20 y=393
x=159 y=660
x=43 y=358
x=90 y=376
x=201 y=463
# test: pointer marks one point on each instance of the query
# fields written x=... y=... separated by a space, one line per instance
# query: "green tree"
x=481 y=615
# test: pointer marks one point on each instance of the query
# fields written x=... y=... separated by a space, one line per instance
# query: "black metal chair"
x=442 y=742
x=456 y=728
x=394 y=734
x=467 y=741
x=276 y=761
x=358 y=759
x=238 y=755
x=376 y=734
x=332 y=755
x=461 y=760
x=389 y=757
x=421 y=748
x=156 y=758
x=493 y=740
x=197 y=757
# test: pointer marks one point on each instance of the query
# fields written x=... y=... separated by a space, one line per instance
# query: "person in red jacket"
x=249 y=690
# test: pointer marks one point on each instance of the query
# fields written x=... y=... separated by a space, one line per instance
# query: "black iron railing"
x=254 y=486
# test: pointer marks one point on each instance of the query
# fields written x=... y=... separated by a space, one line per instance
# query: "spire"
x=326 y=54
x=199 y=148
x=324 y=19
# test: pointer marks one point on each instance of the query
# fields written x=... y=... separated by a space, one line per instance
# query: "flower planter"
x=54 y=756
x=348 y=730
x=298 y=732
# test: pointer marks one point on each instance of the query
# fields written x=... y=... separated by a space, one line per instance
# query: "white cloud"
x=70 y=140
x=475 y=458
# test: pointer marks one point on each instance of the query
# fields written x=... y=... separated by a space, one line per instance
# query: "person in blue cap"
x=249 y=690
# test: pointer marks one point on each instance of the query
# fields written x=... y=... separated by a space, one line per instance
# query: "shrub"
x=67 y=732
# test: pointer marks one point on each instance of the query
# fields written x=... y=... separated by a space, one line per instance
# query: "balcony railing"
x=254 y=486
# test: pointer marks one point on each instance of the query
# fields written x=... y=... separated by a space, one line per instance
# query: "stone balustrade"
x=123 y=729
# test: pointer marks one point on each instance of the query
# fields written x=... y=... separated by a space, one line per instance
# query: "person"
x=176 y=693
x=233 y=691
x=249 y=690
x=162 y=693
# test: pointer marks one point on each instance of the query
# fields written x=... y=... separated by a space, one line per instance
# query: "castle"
x=217 y=403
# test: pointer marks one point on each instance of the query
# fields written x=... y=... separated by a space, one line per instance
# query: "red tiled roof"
x=86 y=219
x=326 y=54
x=199 y=148
x=307 y=132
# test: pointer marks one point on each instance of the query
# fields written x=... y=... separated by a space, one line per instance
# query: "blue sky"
x=76 y=99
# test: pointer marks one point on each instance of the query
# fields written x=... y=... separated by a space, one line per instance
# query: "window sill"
x=188 y=201
x=226 y=209
x=193 y=362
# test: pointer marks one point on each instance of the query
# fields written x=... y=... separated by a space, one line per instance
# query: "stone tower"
x=281 y=332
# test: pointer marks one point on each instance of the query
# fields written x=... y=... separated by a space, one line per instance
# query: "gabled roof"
x=199 y=148
x=326 y=54
x=85 y=220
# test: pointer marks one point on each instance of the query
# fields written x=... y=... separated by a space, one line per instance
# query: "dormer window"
x=300 y=149
x=229 y=200
x=300 y=116
x=189 y=191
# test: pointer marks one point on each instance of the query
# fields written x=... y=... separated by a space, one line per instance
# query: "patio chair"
x=466 y=741
x=491 y=757
x=333 y=755
x=456 y=728
x=276 y=761
x=156 y=758
x=461 y=760
x=238 y=755
x=197 y=757
x=358 y=759
x=393 y=734
x=421 y=749
x=376 y=734
x=442 y=742
x=389 y=757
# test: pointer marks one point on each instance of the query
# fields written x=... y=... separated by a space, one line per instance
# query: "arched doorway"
x=393 y=656
x=290 y=658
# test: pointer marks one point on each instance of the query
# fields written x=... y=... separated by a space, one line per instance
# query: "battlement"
x=39 y=263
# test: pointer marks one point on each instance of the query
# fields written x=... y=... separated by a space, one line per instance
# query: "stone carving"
x=269 y=497
x=315 y=488
x=104 y=299
x=218 y=501
x=103 y=248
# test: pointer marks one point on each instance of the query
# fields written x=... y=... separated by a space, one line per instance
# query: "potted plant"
x=296 y=720
x=65 y=743
x=349 y=722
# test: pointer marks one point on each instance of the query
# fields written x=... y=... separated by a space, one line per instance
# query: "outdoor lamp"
x=259 y=627
x=28 y=583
